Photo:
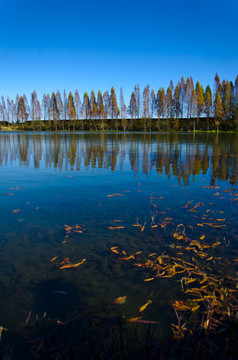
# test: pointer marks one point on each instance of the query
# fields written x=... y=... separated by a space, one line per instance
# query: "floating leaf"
x=135 y=319
x=150 y=279
x=67 y=266
x=116 y=194
x=116 y=227
x=15 y=211
x=54 y=258
x=120 y=300
x=143 y=307
x=127 y=258
x=114 y=249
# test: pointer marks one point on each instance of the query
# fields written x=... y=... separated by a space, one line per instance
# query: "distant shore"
x=141 y=125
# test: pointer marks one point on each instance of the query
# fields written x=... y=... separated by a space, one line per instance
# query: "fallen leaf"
x=120 y=300
x=143 y=307
x=72 y=265
x=116 y=227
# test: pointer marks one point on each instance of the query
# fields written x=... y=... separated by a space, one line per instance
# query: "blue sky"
x=51 y=45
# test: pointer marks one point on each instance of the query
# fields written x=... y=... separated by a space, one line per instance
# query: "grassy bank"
x=142 y=125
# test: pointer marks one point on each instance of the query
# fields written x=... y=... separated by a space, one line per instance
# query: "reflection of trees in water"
x=179 y=155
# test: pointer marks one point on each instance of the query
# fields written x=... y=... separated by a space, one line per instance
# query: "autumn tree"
x=132 y=106
x=161 y=103
x=122 y=109
x=71 y=110
x=169 y=104
x=35 y=108
x=16 y=107
x=236 y=99
x=3 y=108
x=106 y=103
x=182 y=91
x=152 y=103
x=65 y=104
x=93 y=106
x=138 y=100
x=100 y=108
x=45 y=104
x=26 y=105
x=85 y=106
x=146 y=105
x=217 y=84
x=188 y=95
x=60 y=104
x=146 y=102
x=218 y=109
x=176 y=102
x=208 y=103
x=54 y=111
x=113 y=108
x=10 y=110
x=77 y=104
x=22 y=114
x=200 y=99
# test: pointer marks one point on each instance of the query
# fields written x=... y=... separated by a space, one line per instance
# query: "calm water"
x=51 y=180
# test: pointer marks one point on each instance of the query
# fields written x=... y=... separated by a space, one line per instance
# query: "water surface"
x=50 y=180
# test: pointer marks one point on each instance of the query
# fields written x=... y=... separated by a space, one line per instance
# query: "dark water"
x=52 y=180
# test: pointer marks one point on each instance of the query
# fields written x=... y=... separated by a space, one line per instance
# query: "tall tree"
x=208 y=104
x=122 y=102
x=226 y=98
x=93 y=106
x=122 y=109
x=16 y=107
x=218 y=109
x=60 y=104
x=45 y=106
x=54 y=111
x=138 y=100
x=77 y=103
x=217 y=83
x=65 y=104
x=71 y=110
x=146 y=105
x=161 y=103
x=100 y=108
x=8 y=110
x=152 y=103
x=208 y=101
x=200 y=99
x=182 y=88
x=35 y=109
x=236 y=98
x=176 y=102
x=169 y=104
x=22 y=114
x=85 y=106
x=132 y=107
x=3 y=108
x=113 y=108
x=106 y=103
x=26 y=105
x=188 y=95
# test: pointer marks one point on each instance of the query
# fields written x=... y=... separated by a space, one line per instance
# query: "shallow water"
x=49 y=180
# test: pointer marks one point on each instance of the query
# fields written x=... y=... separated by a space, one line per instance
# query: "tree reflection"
x=184 y=156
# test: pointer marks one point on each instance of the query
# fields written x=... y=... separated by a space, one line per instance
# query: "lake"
x=82 y=213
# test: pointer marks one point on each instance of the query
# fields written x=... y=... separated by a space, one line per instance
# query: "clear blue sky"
x=84 y=45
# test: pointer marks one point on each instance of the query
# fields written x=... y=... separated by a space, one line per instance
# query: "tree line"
x=186 y=100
